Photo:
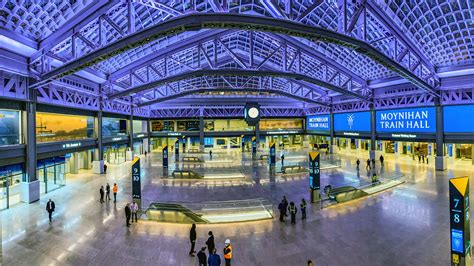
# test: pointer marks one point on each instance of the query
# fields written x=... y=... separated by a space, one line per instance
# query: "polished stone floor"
x=406 y=225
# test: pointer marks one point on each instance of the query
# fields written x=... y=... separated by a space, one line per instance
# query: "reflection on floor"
x=405 y=225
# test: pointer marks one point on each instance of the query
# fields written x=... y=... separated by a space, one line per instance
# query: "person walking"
x=227 y=252
x=282 y=157
x=101 y=191
x=214 y=259
x=373 y=163
x=50 y=206
x=303 y=209
x=107 y=192
x=285 y=203
x=192 y=238
x=281 y=208
x=115 y=190
x=210 y=154
x=368 y=165
x=105 y=168
x=293 y=211
x=128 y=213
x=358 y=163
x=134 y=208
x=310 y=263
x=374 y=179
x=381 y=159
x=202 y=258
x=210 y=243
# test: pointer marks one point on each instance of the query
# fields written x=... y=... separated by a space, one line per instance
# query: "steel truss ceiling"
x=343 y=44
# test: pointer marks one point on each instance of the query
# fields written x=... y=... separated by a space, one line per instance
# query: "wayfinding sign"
x=314 y=175
x=136 y=181
x=165 y=156
x=460 y=234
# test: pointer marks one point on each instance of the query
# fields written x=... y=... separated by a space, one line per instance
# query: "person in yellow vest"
x=227 y=252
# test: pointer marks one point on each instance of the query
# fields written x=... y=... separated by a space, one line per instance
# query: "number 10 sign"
x=459 y=221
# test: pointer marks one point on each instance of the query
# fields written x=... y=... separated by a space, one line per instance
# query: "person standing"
x=303 y=209
x=285 y=203
x=128 y=213
x=210 y=243
x=107 y=190
x=192 y=238
x=282 y=157
x=368 y=164
x=134 y=208
x=281 y=208
x=227 y=252
x=50 y=206
x=115 y=190
x=202 y=259
x=105 y=168
x=214 y=259
x=293 y=211
x=210 y=154
x=358 y=163
x=101 y=191
x=381 y=159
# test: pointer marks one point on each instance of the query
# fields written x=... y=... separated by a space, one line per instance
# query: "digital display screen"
x=457 y=241
x=358 y=121
x=411 y=120
x=458 y=119
x=318 y=122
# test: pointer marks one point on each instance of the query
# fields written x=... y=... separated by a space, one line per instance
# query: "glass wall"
x=51 y=173
x=59 y=127
x=227 y=125
x=114 y=127
x=139 y=126
x=115 y=154
x=10 y=178
x=10 y=129
x=275 y=124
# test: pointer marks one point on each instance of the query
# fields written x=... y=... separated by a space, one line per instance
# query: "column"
x=332 y=146
x=148 y=135
x=201 y=133
x=472 y=154
x=373 y=151
x=257 y=134
x=98 y=163
x=129 y=154
x=440 y=159
x=30 y=188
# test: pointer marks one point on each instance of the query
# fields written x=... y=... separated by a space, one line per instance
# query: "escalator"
x=172 y=212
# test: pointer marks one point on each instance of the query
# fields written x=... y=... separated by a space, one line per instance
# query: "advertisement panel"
x=352 y=122
x=410 y=120
x=318 y=122
x=9 y=127
x=458 y=119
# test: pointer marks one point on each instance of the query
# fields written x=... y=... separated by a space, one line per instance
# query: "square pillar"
x=98 y=163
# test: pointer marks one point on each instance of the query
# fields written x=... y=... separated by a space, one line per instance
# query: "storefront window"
x=58 y=127
x=114 y=126
x=166 y=126
x=275 y=124
x=51 y=173
x=10 y=130
x=10 y=178
x=139 y=126
x=188 y=125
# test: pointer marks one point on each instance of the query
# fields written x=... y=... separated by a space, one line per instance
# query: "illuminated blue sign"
x=318 y=122
x=413 y=120
x=457 y=240
x=458 y=119
x=359 y=121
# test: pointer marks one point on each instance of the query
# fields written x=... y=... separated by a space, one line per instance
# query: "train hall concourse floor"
x=225 y=132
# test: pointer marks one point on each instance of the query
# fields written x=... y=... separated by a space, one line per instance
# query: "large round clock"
x=253 y=112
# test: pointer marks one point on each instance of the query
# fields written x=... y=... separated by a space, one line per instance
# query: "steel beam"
x=233 y=21
x=235 y=72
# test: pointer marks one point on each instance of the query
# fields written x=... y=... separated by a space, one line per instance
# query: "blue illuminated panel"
x=458 y=119
x=318 y=122
x=359 y=121
x=457 y=241
x=412 y=120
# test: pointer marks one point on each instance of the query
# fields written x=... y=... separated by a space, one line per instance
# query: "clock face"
x=253 y=112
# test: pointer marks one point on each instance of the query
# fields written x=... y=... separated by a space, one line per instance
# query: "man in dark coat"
x=50 y=209
x=285 y=203
x=214 y=259
x=128 y=214
x=101 y=191
x=210 y=243
x=281 y=208
x=192 y=238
